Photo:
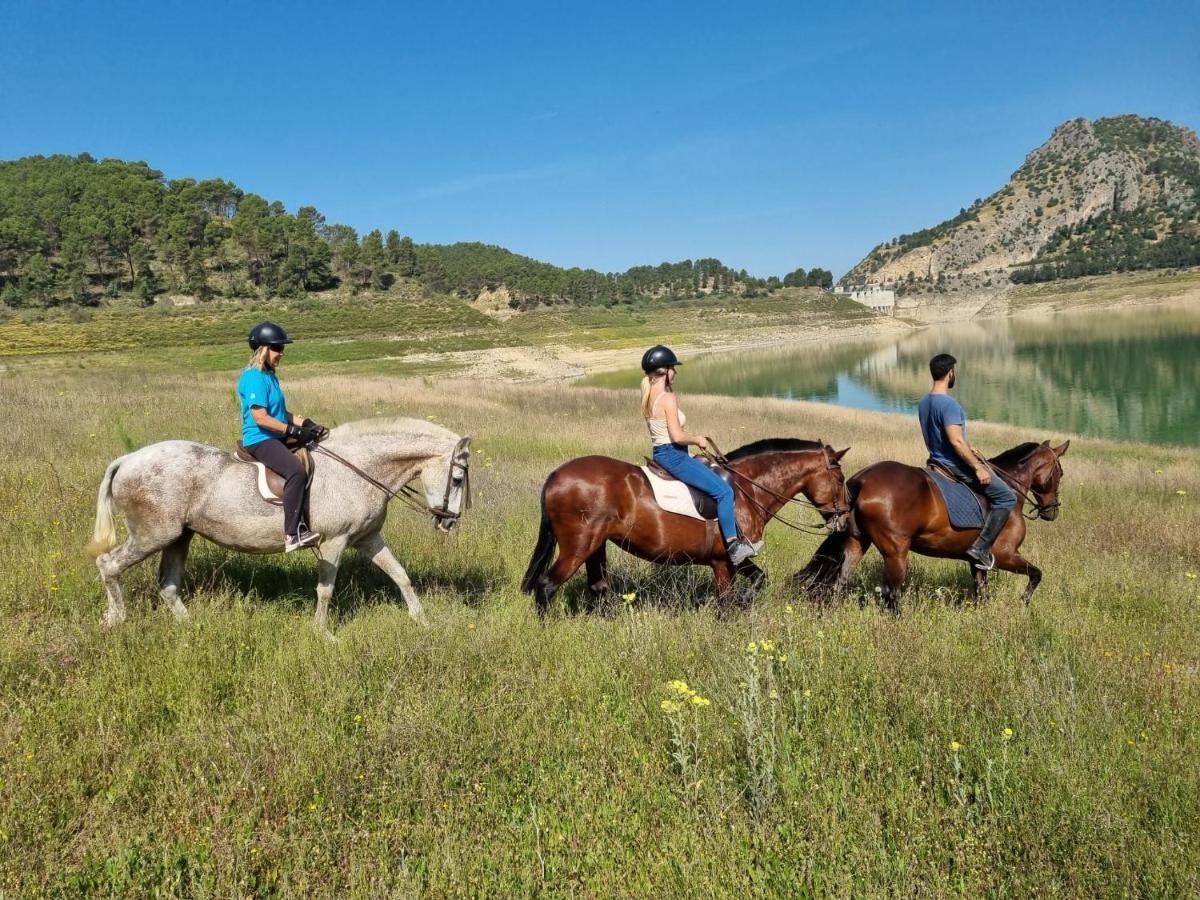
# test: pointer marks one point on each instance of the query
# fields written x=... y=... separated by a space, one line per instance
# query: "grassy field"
x=955 y=751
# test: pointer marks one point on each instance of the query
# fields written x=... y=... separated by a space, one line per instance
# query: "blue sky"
x=599 y=135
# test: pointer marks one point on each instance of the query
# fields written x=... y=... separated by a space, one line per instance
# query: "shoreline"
x=530 y=363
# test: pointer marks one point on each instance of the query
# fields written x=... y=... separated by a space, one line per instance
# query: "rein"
x=719 y=459
x=410 y=496
x=1039 y=508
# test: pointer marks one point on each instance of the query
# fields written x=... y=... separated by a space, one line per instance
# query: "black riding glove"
x=300 y=435
x=320 y=431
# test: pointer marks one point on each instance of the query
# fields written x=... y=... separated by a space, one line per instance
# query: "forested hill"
x=76 y=230
x=1110 y=195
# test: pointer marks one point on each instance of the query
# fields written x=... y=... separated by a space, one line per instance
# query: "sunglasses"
x=275 y=348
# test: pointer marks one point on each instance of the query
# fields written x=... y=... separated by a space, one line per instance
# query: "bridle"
x=1040 y=509
x=411 y=497
x=833 y=515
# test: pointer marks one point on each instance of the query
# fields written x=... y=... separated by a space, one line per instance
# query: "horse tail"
x=826 y=564
x=104 y=536
x=546 y=542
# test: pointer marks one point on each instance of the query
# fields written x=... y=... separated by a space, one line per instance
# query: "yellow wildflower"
x=1189 y=574
x=629 y=598
x=680 y=687
x=788 y=609
x=955 y=746
x=774 y=695
x=670 y=706
x=1008 y=733
x=1181 y=492
x=752 y=648
x=783 y=657
x=768 y=646
x=697 y=700
x=808 y=692
x=358 y=718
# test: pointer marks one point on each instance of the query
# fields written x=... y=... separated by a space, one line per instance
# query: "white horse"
x=172 y=490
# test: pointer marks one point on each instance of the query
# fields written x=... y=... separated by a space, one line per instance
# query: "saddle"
x=966 y=507
x=270 y=483
x=706 y=506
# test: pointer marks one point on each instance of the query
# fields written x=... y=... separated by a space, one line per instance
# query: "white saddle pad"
x=673 y=496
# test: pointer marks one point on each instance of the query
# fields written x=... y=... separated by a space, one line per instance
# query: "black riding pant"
x=275 y=455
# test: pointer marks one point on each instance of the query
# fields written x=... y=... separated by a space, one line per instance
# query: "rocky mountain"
x=1099 y=196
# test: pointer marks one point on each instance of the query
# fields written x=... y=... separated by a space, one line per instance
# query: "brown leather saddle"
x=706 y=506
x=270 y=483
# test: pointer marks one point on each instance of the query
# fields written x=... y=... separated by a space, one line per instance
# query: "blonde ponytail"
x=647 y=383
x=259 y=359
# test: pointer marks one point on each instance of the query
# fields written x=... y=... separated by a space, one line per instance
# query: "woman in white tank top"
x=665 y=421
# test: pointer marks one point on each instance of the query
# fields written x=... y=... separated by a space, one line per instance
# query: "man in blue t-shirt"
x=944 y=426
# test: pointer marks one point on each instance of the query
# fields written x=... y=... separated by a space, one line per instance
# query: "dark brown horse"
x=595 y=499
x=898 y=509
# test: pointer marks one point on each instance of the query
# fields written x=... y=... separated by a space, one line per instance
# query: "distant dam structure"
x=872 y=296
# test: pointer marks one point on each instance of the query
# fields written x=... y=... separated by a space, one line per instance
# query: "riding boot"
x=981 y=550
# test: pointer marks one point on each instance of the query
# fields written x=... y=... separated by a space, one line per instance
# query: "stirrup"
x=984 y=560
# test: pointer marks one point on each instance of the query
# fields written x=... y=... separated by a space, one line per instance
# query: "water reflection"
x=1126 y=374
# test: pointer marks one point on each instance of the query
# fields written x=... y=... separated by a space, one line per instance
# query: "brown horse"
x=595 y=499
x=898 y=509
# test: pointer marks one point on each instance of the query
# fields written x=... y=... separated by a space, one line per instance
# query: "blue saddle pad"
x=963 y=504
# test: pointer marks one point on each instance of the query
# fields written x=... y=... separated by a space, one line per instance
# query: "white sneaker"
x=305 y=538
x=739 y=551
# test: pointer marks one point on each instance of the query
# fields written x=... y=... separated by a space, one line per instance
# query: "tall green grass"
x=954 y=751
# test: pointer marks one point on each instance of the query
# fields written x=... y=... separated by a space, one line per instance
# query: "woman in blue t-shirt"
x=269 y=431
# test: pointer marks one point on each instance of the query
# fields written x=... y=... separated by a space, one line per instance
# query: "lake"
x=1129 y=374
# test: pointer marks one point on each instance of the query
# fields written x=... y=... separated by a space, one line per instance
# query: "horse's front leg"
x=758 y=578
x=979 y=586
x=329 y=554
x=725 y=576
x=1013 y=561
x=390 y=566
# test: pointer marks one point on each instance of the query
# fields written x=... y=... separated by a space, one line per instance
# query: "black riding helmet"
x=658 y=357
x=267 y=333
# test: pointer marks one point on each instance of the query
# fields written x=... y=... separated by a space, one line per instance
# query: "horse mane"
x=419 y=429
x=773 y=445
x=1017 y=455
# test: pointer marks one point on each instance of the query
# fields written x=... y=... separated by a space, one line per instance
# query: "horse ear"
x=1045 y=443
x=838 y=456
x=1062 y=451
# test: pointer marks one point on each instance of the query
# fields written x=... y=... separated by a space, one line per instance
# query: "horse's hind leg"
x=895 y=571
x=570 y=558
x=114 y=563
x=597 y=573
x=170 y=574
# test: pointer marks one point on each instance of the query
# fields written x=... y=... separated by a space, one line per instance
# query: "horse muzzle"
x=838 y=521
x=444 y=524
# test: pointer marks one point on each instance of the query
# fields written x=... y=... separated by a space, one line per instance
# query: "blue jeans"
x=675 y=459
x=999 y=494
